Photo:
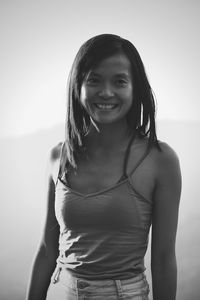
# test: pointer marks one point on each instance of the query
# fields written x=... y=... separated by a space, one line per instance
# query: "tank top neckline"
x=124 y=178
x=113 y=186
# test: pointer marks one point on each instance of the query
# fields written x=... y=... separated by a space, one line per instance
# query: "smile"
x=105 y=106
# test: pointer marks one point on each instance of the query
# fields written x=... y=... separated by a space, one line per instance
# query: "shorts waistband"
x=66 y=277
x=135 y=286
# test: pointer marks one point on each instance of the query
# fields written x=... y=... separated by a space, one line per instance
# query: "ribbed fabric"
x=103 y=235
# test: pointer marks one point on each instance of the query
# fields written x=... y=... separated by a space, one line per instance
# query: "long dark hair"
x=141 y=116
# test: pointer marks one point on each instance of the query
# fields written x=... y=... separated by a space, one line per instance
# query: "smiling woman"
x=107 y=183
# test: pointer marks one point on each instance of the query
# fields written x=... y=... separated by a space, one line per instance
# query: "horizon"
x=62 y=123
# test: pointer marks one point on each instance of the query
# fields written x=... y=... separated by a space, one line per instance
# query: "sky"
x=39 y=40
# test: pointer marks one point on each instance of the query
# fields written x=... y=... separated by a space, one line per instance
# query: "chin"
x=108 y=121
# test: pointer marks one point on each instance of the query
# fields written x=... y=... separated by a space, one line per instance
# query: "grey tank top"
x=103 y=235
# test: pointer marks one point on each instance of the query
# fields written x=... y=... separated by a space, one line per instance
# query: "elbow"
x=165 y=263
x=47 y=253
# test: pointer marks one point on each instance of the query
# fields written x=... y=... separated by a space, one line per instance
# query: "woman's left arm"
x=164 y=224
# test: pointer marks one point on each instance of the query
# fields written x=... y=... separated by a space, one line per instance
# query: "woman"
x=107 y=183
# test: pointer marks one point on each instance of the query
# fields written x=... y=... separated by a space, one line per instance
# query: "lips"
x=105 y=106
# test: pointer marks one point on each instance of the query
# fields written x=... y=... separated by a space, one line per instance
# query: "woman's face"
x=107 y=91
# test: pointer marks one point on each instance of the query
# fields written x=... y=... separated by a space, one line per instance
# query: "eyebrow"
x=92 y=73
x=121 y=74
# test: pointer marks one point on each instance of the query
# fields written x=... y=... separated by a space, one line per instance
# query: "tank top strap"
x=59 y=162
x=124 y=175
x=127 y=155
x=141 y=159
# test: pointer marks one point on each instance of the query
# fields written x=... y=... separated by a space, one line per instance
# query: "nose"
x=106 y=92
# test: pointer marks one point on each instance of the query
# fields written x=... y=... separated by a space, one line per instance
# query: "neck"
x=108 y=136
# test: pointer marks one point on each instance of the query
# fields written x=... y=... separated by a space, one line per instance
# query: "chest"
x=117 y=208
x=95 y=175
x=105 y=172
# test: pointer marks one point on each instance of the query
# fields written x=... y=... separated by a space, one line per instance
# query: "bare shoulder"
x=53 y=161
x=54 y=153
x=167 y=154
x=166 y=161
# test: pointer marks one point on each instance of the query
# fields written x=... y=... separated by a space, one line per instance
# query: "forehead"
x=118 y=63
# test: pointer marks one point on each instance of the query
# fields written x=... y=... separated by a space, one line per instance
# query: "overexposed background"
x=39 y=40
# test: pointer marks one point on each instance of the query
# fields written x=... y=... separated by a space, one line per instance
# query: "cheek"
x=128 y=97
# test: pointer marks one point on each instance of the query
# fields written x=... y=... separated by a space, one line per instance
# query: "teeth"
x=105 y=106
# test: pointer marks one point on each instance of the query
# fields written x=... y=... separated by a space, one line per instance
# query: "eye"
x=92 y=80
x=121 y=82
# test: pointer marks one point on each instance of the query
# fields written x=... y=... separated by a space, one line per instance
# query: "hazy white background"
x=39 y=40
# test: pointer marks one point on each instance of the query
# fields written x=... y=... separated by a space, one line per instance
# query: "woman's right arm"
x=45 y=260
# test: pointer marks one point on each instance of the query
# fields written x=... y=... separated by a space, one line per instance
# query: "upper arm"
x=51 y=227
x=165 y=203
